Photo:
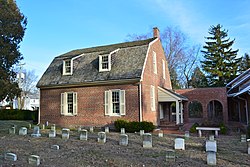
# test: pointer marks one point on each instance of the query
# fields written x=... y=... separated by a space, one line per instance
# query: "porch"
x=170 y=108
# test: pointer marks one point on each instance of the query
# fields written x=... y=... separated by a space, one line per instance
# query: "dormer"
x=105 y=61
x=68 y=67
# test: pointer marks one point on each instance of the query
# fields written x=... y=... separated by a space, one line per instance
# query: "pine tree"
x=12 y=28
x=198 y=79
x=245 y=64
x=220 y=64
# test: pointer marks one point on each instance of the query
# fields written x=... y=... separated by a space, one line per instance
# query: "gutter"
x=140 y=103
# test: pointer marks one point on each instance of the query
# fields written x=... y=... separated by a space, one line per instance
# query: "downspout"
x=140 y=103
x=246 y=108
x=38 y=119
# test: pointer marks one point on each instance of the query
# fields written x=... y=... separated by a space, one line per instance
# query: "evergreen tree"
x=220 y=64
x=245 y=64
x=12 y=28
x=198 y=79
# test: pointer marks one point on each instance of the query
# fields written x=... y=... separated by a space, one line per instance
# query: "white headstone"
x=65 y=133
x=10 y=156
x=91 y=129
x=179 y=144
x=211 y=137
x=187 y=135
x=101 y=137
x=36 y=132
x=106 y=129
x=211 y=146
x=43 y=126
x=243 y=138
x=52 y=133
x=160 y=133
x=34 y=160
x=123 y=140
x=141 y=132
x=83 y=134
x=53 y=127
x=23 y=131
x=122 y=130
x=147 y=140
x=55 y=147
x=30 y=126
x=211 y=158
x=170 y=155
x=12 y=130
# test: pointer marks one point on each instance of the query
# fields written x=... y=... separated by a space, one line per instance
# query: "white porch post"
x=177 y=112
x=181 y=108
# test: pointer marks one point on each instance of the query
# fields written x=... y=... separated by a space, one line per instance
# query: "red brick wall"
x=90 y=105
x=204 y=96
x=150 y=78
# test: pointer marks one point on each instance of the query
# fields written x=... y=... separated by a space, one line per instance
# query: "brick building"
x=96 y=86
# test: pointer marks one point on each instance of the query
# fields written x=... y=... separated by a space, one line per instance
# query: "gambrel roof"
x=127 y=64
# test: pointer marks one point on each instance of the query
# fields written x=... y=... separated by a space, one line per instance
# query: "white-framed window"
x=67 y=67
x=69 y=103
x=154 y=62
x=163 y=69
x=105 y=62
x=114 y=102
x=152 y=97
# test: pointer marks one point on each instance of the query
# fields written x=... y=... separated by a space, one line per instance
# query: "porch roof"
x=166 y=95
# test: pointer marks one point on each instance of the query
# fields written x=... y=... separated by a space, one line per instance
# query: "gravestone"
x=53 y=127
x=55 y=147
x=170 y=155
x=211 y=146
x=106 y=129
x=36 y=132
x=147 y=140
x=91 y=129
x=79 y=128
x=34 y=160
x=248 y=146
x=122 y=130
x=10 y=156
x=101 y=137
x=211 y=158
x=187 y=134
x=52 y=133
x=65 y=133
x=160 y=133
x=12 y=130
x=211 y=137
x=30 y=126
x=47 y=123
x=43 y=126
x=23 y=131
x=141 y=132
x=243 y=138
x=83 y=134
x=179 y=144
x=123 y=140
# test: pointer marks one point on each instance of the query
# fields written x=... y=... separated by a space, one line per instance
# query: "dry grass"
x=73 y=152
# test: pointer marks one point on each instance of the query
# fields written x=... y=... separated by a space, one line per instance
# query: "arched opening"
x=195 y=109
x=215 y=110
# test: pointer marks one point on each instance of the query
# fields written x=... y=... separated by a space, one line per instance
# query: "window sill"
x=69 y=115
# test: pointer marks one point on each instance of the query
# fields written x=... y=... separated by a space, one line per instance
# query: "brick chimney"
x=156 y=32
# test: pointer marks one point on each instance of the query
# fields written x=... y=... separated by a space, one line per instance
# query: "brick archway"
x=215 y=111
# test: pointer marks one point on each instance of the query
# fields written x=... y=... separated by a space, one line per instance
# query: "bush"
x=193 y=127
x=134 y=126
x=14 y=114
x=223 y=129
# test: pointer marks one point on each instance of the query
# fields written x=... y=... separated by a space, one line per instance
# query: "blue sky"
x=58 y=26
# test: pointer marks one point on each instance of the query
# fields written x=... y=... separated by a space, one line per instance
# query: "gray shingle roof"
x=127 y=63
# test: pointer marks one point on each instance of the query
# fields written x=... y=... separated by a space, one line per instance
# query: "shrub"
x=223 y=128
x=134 y=126
x=193 y=127
x=14 y=114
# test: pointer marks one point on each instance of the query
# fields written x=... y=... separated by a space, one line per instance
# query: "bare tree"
x=180 y=56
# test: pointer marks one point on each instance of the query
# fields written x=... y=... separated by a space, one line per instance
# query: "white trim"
x=109 y=60
x=235 y=79
x=64 y=104
x=152 y=97
x=154 y=62
x=163 y=69
x=145 y=61
x=140 y=102
x=170 y=94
